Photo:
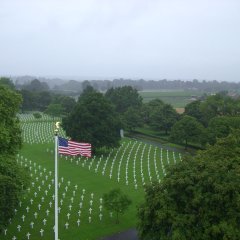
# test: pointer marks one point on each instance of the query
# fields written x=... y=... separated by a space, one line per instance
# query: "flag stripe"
x=74 y=148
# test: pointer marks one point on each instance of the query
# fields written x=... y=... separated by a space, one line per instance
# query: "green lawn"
x=178 y=98
x=127 y=167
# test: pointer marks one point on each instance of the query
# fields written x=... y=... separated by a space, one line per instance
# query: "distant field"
x=178 y=98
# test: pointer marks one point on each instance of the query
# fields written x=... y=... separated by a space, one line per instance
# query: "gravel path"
x=130 y=234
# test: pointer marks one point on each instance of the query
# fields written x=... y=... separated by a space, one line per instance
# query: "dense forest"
x=74 y=86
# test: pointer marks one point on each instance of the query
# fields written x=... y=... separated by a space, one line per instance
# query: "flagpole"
x=56 y=182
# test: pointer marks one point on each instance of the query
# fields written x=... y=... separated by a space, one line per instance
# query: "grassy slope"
x=80 y=174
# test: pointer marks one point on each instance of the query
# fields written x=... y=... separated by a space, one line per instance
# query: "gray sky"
x=151 y=39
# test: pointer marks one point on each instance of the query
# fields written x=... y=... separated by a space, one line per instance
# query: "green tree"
x=37 y=115
x=124 y=97
x=94 y=120
x=150 y=107
x=7 y=83
x=163 y=118
x=220 y=127
x=197 y=199
x=186 y=130
x=132 y=119
x=10 y=133
x=54 y=110
x=13 y=179
x=116 y=201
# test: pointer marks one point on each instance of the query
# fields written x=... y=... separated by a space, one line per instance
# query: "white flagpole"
x=56 y=183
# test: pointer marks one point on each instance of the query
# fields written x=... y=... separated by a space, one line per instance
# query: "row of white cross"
x=36 y=209
x=152 y=161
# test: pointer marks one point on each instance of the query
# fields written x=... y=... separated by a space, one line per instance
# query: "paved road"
x=130 y=234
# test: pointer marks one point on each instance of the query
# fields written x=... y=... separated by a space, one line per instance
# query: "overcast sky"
x=150 y=39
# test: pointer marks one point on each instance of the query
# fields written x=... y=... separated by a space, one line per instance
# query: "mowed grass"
x=178 y=98
x=82 y=183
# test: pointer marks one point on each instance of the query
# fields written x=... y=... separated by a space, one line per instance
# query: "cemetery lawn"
x=82 y=183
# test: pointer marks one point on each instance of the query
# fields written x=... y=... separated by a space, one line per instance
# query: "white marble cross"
x=79 y=213
x=27 y=208
x=91 y=202
x=35 y=214
x=31 y=224
x=23 y=217
x=31 y=201
x=44 y=221
x=47 y=212
x=50 y=204
x=28 y=235
x=19 y=227
x=5 y=232
x=68 y=215
x=66 y=225
x=90 y=210
x=39 y=206
x=14 y=238
x=41 y=232
x=100 y=216
x=78 y=222
x=70 y=207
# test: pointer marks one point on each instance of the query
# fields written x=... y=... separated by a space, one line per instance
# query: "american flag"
x=69 y=147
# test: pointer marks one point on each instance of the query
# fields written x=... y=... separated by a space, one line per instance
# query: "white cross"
x=46 y=192
x=83 y=191
x=100 y=208
x=66 y=225
x=53 y=196
x=80 y=204
x=74 y=193
x=19 y=228
x=72 y=199
x=79 y=213
x=15 y=210
x=23 y=217
x=89 y=219
x=20 y=203
x=5 y=232
x=31 y=201
x=35 y=194
x=91 y=202
x=90 y=210
x=42 y=199
x=35 y=214
x=100 y=216
x=27 y=208
x=61 y=201
x=41 y=232
x=78 y=222
x=44 y=221
x=111 y=214
x=50 y=204
x=31 y=224
x=66 y=188
x=49 y=186
x=69 y=183
x=63 y=195
x=68 y=215
x=62 y=179
x=47 y=212
x=39 y=206
x=59 y=210
x=14 y=238
x=92 y=195
x=39 y=188
x=70 y=207
x=82 y=197
x=76 y=186
x=28 y=235
x=101 y=200
x=33 y=183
